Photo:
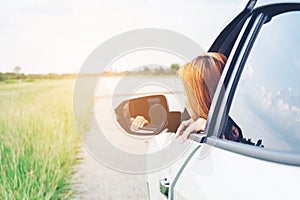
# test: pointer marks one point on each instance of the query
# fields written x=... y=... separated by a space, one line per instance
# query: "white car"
x=260 y=90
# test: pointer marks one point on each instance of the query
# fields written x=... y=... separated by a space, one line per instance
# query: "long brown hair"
x=200 y=78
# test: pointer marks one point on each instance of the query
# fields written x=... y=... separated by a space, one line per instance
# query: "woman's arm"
x=190 y=126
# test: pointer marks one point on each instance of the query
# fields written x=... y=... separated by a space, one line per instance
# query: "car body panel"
x=158 y=143
x=225 y=175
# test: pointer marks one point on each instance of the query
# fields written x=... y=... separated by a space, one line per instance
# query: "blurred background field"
x=41 y=156
x=38 y=140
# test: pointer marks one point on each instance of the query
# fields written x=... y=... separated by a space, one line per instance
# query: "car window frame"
x=261 y=16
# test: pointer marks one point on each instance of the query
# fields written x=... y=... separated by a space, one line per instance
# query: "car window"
x=266 y=104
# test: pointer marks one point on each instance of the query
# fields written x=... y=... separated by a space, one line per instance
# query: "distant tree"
x=175 y=67
x=2 y=76
x=52 y=76
x=146 y=70
x=160 y=70
x=17 y=70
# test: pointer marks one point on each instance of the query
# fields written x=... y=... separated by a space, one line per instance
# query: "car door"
x=260 y=91
x=159 y=182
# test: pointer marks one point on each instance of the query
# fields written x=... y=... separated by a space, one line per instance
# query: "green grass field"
x=39 y=143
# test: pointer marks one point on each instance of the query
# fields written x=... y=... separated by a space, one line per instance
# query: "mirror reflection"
x=147 y=115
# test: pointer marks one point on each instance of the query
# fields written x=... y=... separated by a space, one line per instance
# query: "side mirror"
x=154 y=108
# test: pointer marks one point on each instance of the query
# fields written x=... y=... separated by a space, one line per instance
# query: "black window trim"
x=227 y=38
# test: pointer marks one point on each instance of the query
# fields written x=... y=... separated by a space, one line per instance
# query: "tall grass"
x=38 y=140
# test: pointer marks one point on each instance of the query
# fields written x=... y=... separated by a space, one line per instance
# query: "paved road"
x=98 y=181
x=101 y=182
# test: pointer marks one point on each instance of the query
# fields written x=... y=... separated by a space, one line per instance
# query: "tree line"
x=11 y=77
x=147 y=70
x=17 y=76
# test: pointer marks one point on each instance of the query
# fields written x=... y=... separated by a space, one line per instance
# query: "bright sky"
x=57 y=36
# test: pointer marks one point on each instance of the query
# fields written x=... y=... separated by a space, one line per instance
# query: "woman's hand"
x=183 y=126
x=138 y=122
x=190 y=126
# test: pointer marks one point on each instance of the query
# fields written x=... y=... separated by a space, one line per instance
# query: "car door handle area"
x=164 y=185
